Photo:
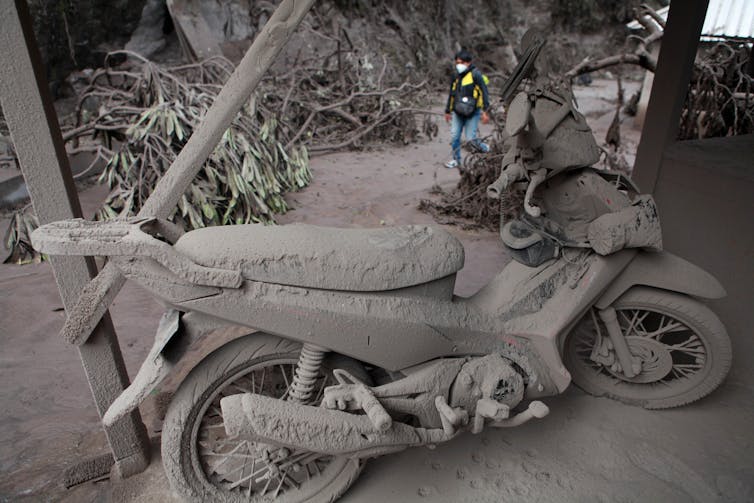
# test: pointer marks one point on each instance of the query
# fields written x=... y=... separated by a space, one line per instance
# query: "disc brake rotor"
x=656 y=361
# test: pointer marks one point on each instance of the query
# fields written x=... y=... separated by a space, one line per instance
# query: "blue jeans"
x=457 y=126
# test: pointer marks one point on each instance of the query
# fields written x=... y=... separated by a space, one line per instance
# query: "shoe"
x=451 y=164
x=479 y=146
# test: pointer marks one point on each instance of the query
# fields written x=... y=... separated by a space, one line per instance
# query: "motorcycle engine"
x=491 y=377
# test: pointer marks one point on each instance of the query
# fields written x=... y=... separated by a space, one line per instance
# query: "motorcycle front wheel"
x=684 y=350
x=203 y=464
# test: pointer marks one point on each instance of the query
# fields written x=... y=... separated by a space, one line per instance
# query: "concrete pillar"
x=671 y=81
x=33 y=124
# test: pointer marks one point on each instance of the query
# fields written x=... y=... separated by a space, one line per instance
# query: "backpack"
x=465 y=105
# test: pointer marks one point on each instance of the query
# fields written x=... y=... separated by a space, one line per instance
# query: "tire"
x=696 y=368
x=193 y=413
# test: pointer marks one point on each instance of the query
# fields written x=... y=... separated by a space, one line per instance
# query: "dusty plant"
x=22 y=223
x=138 y=118
x=265 y=151
x=245 y=177
x=135 y=116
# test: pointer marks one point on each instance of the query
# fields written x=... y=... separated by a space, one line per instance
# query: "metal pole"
x=33 y=124
x=98 y=294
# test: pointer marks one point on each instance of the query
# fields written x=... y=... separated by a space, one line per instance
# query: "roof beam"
x=669 y=89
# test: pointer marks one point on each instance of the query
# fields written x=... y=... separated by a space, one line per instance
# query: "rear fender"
x=665 y=271
x=175 y=336
x=154 y=369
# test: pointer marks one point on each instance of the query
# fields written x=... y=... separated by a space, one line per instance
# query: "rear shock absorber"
x=307 y=371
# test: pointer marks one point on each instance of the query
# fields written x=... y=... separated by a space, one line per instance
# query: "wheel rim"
x=674 y=357
x=245 y=468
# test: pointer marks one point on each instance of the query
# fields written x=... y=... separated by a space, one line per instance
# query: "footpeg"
x=487 y=408
x=352 y=394
x=536 y=409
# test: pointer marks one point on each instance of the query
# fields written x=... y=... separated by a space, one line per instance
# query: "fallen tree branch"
x=586 y=66
x=641 y=54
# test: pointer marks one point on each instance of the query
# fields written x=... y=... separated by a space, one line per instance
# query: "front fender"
x=665 y=271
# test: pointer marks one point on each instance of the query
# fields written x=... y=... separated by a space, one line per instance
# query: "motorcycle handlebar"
x=510 y=174
x=496 y=188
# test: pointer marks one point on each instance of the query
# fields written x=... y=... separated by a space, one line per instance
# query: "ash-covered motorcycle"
x=358 y=346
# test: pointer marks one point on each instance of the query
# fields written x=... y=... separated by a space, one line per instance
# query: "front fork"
x=613 y=351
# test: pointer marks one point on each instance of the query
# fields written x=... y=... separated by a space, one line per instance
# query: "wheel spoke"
x=250 y=476
x=670 y=328
x=287 y=383
x=264 y=490
x=234 y=465
x=696 y=352
x=691 y=346
x=253 y=465
x=291 y=482
x=316 y=466
x=680 y=373
x=300 y=459
x=689 y=366
x=282 y=369
x=678 y=327
x=227 y=458
x=242 y=468
x=241 y=388
x=631 y=322
x=636 y=322
x=639 y=327
x=596 y=324
x=282 y=479
x=690 y=343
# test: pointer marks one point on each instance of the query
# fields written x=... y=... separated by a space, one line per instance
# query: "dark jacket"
x=469 y=83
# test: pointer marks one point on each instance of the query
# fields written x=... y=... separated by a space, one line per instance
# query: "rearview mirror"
x=518 y=114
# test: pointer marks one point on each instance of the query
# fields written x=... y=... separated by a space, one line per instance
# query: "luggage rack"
x=135 y=237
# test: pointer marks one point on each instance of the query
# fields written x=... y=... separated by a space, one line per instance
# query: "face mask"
x=460 y=68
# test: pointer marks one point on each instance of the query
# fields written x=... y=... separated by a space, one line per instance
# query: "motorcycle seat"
x=327 y=258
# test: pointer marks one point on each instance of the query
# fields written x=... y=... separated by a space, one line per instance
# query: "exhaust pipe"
x=289 y=424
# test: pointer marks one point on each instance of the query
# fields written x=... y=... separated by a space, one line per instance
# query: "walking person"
x=468 y=102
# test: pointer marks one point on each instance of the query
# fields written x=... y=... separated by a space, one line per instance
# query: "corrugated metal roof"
x=726 y=19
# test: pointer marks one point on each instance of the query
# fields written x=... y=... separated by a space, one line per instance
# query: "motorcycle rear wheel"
x=684 y=348
x=202 y=464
